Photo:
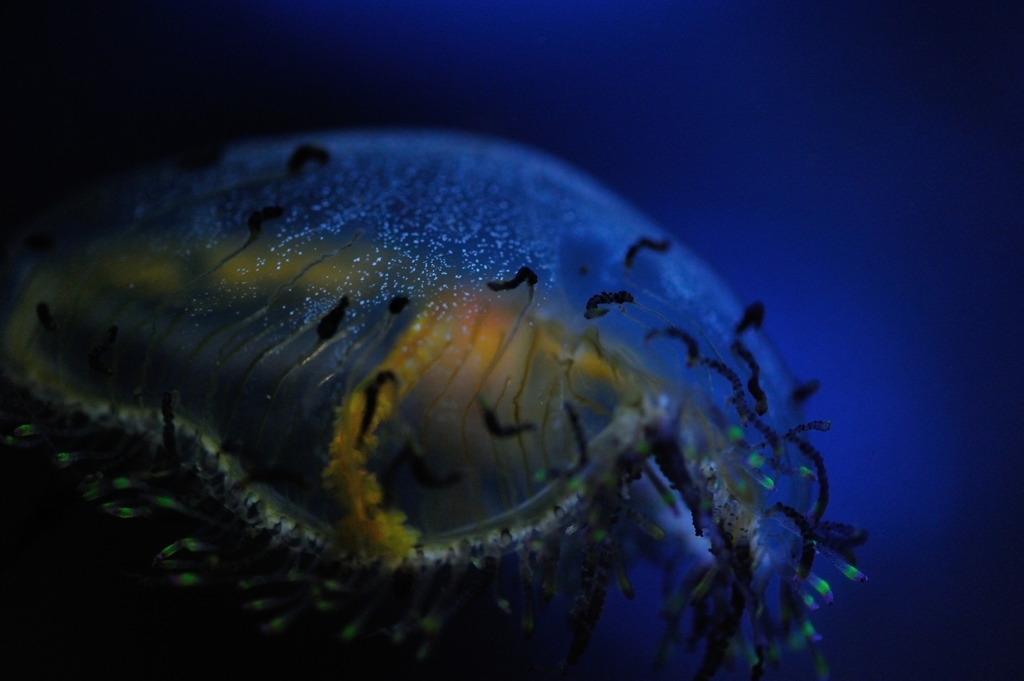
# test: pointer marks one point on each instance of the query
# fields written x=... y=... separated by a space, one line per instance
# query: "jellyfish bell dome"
x=381 y=369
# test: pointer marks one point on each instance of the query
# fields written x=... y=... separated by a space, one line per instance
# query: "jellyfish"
x=387 y=374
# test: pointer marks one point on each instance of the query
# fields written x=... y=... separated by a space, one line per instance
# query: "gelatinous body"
x=369 y=359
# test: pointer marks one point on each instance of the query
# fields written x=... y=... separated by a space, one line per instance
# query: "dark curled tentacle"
x=397 y=304
x=806 y=535
x=529 y=603
x=497 y=429
x=739 y=399
x=45 y=318
x=734 y=577
x=589 y=604
x=598 y=557
x=814 y=455
x=660 y=246
x=306 y=153
x=753 y=317
x=524 y=275
x=672 y=464
x=821 y=426
x=753 y=385
x=769 y=435
x=721 y=635
x=578 y=434
x=371 y=393
x=167 y=410
x=841 y=538
x=738 y=396
x=96 y=361
x=421 y=473
x=593 y=311
x=804 y=391
x=328 y=326
x=588 y=569
x=257 y=218
x=547 y=561
x=693 y=357
x=692 y=349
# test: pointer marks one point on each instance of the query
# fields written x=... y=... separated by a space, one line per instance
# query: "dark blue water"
x=856 y=166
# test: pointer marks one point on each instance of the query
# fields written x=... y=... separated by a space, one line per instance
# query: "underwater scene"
x=467 y=340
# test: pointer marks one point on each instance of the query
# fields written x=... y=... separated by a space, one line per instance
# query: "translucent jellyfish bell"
x=388 y=357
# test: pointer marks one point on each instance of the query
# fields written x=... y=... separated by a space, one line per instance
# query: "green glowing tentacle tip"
x=625 y=586
x=820 y=666
x=123 y=511
x=186 y=579
x=26 y=430
x=430 y=625
x=853 y=573
x=808 y=630
x=656 y=531
x=762 y=479
x=735 y=433
x=349 y=632
x=821 y=586
x=756 y=459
